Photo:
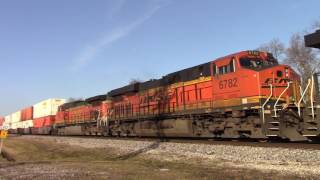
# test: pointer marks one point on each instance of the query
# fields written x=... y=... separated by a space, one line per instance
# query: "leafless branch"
x=276 y=47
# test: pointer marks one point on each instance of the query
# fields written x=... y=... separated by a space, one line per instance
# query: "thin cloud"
x=89 y=52
x=117 y=6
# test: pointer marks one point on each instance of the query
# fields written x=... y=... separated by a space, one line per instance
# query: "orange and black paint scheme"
x=242 y=95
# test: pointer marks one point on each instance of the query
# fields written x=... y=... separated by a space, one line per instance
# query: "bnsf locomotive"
x=242 y=95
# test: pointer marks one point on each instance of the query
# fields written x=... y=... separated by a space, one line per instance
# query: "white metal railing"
x=276 y=103
x=98 y=119
x=311 y=97
x=301 y=91
x=264 y=104
x=302 y=96
x=107 y=117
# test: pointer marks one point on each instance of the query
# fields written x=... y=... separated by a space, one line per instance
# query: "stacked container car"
x=1 y=121
x=7 y=121
x=26 y=120
x=44 y=114
x=13 y=121
x=16 y=123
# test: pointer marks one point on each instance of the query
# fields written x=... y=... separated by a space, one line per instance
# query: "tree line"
x=303 y=60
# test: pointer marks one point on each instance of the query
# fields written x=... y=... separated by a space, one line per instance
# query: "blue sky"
x=81 y=48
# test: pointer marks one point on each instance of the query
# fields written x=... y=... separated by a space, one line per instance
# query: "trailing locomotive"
x=242 y=95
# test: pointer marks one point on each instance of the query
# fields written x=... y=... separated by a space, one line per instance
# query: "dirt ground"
x=40 y=159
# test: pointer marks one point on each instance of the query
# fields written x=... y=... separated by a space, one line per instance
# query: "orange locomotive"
x=246 y=94
x=79 y=117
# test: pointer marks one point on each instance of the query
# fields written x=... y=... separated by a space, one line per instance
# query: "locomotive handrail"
x=276 y=103
x=303 y=94
x=264 y=104
x=98 y=119
x=311 y=97
x=301 y=91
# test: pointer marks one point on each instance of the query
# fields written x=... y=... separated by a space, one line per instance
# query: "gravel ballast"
x=302 y=162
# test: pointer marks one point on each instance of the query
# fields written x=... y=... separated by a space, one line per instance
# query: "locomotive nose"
x=283 y=80
x=278 y=75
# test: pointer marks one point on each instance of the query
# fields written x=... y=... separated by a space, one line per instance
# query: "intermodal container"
x=43 y=121
x=23 y=124
x=16 y=117
x=1 y=121
x=27 y=114
x=14 y=125
x=19 y=124
x=7 y=119
x=47 y=107
x=27 y=124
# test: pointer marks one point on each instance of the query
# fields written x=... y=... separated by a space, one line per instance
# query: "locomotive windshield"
x=257 y=63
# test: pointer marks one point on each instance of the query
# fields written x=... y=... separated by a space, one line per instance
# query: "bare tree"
x=276 y=47
x=315 y=26
x=301 y=58
x=305 y=61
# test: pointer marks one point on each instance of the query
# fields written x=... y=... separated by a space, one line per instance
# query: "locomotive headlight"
x=286 y=72
x=279 y=73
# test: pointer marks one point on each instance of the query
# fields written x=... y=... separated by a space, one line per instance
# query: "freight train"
x=243 y=95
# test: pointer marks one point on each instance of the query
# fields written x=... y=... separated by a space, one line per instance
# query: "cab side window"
x=214 y=69
x=227 y=68
x=232 y=65
x=224 y=69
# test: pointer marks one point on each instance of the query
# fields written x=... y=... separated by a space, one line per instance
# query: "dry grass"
x=39 y=159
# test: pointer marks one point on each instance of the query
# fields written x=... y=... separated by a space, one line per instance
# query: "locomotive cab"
x=257 y=63
x=251 y=76
x=254 y=81
x=277 y=81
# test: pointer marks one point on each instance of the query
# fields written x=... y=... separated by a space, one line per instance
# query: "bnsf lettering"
x=276 y=80
x=228 y=83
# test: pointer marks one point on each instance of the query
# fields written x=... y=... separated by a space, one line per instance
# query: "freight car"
x=44 y=114
x=26 y=121
x=36 y=119
x=242 y=95
x=1 y=121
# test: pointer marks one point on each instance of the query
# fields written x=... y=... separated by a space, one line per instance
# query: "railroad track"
x=232 y=142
